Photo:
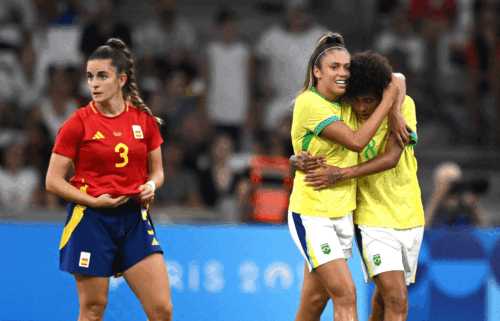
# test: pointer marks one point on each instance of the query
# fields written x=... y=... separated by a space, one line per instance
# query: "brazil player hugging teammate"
x=109 y=231
x=389 y=215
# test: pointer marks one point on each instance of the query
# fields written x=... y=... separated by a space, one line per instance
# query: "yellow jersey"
x=312 y=113
x=390 y=198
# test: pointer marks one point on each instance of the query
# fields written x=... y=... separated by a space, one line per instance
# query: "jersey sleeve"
x=154 y=139
x=69 y=137
x=409 y=114
x=317 y=116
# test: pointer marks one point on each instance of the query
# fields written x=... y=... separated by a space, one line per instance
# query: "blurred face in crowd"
x=222 y=147
x=298 y=18
x=365 y=105
x=104 y=83
x=60 y=83
x=334 y=73
x=172 y=156
x=14 y=157
x=176 y=84
x=229 y=30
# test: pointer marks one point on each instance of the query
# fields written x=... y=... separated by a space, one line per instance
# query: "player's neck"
x=112 y=107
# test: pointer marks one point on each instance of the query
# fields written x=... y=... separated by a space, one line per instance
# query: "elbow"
x=49 y=185
x=393 y=162
x=357 y=147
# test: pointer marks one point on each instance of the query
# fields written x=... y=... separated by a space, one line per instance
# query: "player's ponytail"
x=330 y=41
x=116 y=50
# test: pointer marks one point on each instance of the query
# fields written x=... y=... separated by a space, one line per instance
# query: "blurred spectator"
x=10 y=124
x=405 y=49
x=106 y=25
x=227 y=71
x=58 y=104
x=172 y=103
x=219 y=179
x=17 y=20
x=18 y=183
x=455 y=202
x=164 y=41
x=285 y=51
x=29 y=82
x=181 y=186
x=482 y=56
x=265 y=196
x=196 y=135
x=62 y=12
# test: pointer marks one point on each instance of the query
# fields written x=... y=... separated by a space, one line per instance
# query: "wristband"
x=399 y=75
x=151 y=185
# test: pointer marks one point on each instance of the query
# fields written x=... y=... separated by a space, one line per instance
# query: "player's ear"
x=122 y=80
x=317 y=72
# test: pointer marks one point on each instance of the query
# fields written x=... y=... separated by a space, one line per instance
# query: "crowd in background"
x=226 y=97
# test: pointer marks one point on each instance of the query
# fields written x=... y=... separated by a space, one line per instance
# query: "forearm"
x=396 y=107
x=65 y=190
x=157 y=178
x=373 y=166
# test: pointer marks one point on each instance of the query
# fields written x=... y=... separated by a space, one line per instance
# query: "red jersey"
x=109 y=153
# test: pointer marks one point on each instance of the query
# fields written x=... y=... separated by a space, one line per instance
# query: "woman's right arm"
x=357 y=140
x=55 y=183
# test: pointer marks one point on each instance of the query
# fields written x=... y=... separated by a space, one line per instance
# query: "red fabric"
x=96 y=157
x=424 y=8
x=270 y=203
x=471 y=55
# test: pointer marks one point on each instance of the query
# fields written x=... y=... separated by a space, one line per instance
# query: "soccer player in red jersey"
x=114 y=144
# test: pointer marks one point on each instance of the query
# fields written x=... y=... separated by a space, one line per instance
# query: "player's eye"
x=102 y=77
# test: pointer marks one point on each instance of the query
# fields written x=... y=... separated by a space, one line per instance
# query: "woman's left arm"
x=155 y=176
x=333 y=175
x=396 y=122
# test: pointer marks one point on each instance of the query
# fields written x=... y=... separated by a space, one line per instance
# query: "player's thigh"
x=149 y=281
x=92 y=290
x=313 y=289
x=337 y=279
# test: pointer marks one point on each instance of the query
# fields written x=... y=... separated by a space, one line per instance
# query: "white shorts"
x=321 y=240
x=385 y=249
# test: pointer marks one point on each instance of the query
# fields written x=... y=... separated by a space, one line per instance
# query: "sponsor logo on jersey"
x=84 y=259
x=155 y=242
x=376 y=259
x=117 y=134
x=98 y=135
x=326 y=248
x=137 y=131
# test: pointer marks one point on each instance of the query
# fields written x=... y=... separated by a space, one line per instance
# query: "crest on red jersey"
x=137 y=131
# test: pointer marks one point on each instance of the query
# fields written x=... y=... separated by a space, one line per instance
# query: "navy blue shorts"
x=106 y=241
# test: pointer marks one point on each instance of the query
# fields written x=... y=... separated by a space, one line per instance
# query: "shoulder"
x=408 y=104
x=307 y=97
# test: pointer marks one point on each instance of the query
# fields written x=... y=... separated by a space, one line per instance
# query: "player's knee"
x=347 y=297
x=397 y=301
x=318 y=301
x=94 y=310
x=163 y=312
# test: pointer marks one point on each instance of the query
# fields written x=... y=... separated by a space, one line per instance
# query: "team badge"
x=326 y=248
x=137 y=131
x=377 y=260
x=84 y=259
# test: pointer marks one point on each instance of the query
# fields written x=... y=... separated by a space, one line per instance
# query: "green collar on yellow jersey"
x=313 y=89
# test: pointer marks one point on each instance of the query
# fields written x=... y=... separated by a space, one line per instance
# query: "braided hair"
x=121 y=58
x=329 y=41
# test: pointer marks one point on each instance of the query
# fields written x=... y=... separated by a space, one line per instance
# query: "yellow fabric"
x=311 y=114
x=310 y=251
x=75 y=219
x=391 y=198
x=370 y=272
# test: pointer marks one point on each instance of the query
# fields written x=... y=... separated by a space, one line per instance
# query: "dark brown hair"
x=121 y=58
